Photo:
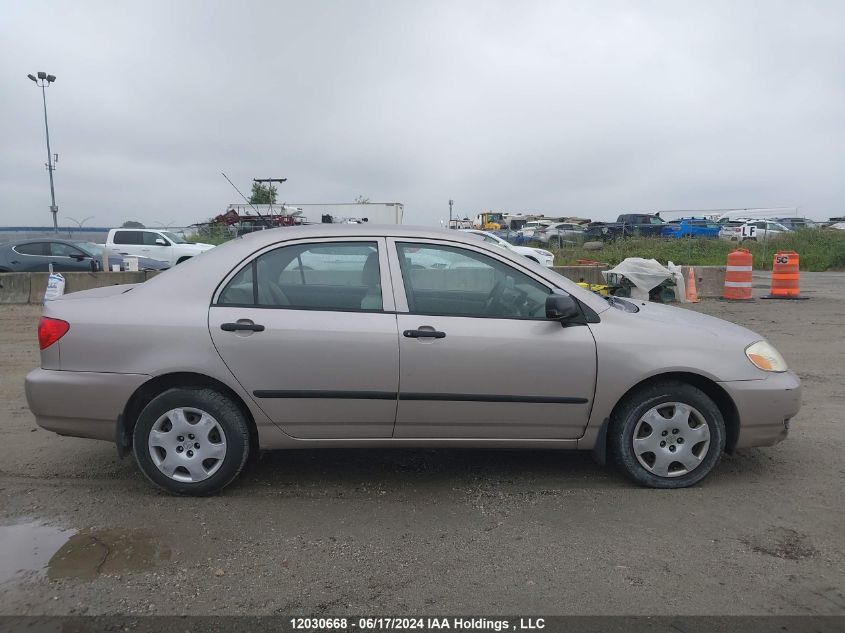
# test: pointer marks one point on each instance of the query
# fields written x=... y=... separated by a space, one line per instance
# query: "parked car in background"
x=162 y=245
x=691 y=227
x=242 y=352
x=796 y=224
x=36 y=255
x=626 y=225
x=538 y=255
x=558 y=232
x=530 y=229
x=752 y=230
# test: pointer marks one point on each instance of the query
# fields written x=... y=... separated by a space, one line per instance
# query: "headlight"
x=764 y=356
x=540 y=251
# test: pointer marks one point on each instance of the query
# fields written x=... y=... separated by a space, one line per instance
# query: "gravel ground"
x=364 y=531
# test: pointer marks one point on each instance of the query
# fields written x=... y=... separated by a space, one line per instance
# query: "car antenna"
x=266 y=223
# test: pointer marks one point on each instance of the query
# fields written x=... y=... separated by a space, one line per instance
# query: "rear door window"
x=58 y=249
x=128 y=237
x=341 y=276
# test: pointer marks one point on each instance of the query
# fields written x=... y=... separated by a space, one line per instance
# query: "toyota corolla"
x=353 y=336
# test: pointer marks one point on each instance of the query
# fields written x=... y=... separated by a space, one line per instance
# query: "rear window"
x=33 y=248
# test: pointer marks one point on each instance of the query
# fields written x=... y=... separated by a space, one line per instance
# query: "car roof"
x=33 y=240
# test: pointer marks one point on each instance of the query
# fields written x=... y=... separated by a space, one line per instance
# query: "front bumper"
x=765 y=407
x=80 y=403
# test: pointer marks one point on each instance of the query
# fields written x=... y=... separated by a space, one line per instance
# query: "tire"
x=182 y=259
x=169 y=447
x=696 y=444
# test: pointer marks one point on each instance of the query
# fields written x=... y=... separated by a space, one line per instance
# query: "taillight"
x=50 y=331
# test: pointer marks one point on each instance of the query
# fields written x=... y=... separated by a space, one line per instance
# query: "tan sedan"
x=345 y=335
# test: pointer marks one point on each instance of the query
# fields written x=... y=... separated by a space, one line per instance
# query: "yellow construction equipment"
x=489 y=221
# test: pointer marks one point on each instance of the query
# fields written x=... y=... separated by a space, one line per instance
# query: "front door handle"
x=423 y=334
x=237 y=327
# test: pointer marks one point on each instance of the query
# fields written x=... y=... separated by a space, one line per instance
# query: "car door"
x=68 y=258
x=156 y=246
x=309 y=330
x=478 y=357
x=30 y=257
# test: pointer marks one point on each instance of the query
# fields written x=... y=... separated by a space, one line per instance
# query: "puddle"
x=89 y=553
x=31 y=548
x=26 y=548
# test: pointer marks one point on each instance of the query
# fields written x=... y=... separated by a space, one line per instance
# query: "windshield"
x=173 y=237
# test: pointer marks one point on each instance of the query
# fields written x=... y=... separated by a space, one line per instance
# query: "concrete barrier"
x=14 y=287
x=586 y=274
x=30 y=287
x=17 y=288
x=38 y=286
x=709 y=280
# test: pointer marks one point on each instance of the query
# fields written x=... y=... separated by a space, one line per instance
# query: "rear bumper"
x=80 y=403
x=765 y=407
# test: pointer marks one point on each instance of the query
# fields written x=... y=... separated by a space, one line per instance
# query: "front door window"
x=452 y=281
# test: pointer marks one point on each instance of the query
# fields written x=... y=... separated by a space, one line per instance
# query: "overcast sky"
x=571 y=108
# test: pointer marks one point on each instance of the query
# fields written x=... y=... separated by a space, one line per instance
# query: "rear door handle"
x=237 y=327
x=423 y=334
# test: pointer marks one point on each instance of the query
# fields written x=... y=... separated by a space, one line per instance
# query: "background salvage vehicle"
x=153 y=243
x=36 y=255
x=291 y=338
x=538 y=255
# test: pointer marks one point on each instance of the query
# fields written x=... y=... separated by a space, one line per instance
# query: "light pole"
x=79 y=223
x=43 y=80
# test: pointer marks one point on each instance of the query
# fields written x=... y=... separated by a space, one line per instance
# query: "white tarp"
x=646 y=274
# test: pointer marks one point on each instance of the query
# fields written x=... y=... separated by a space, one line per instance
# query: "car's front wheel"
x=667 y=435
x=191 y=441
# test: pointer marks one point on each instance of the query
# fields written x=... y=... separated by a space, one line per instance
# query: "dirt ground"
x=459 y=532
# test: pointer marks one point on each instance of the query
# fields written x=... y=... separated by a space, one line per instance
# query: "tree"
x=262 y=194
x=132 y=224
x=361 y=200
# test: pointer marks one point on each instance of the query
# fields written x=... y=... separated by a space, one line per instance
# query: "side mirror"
x=563 y=308
x=160 y=242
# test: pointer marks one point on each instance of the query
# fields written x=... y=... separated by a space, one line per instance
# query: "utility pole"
x=43 y=80
x=451 y=202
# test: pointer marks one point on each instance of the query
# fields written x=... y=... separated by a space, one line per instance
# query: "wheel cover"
x=187 y=445
x=671 y=439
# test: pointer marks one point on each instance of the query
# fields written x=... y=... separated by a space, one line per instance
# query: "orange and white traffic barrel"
x=785 y=276
x=738 y=276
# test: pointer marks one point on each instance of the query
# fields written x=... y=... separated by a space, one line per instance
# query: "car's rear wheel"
x=667 y=435
x=191 y=441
